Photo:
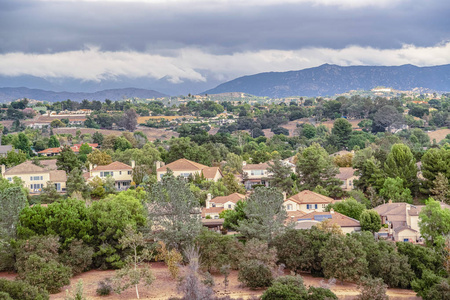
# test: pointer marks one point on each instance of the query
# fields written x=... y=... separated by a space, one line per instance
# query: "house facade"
x=185 y=168
x=122 y=173
x=347 y=177
x=347 y=224
x=35 y=177
x=215 y=206
x=255 y=174
x=307 y=201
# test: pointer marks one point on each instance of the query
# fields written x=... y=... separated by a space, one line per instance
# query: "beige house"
x=346 y=175
x=215 y=206
x=307 y=201
x=122 y=173
x=255 y=174
x=185 y=168
x=35 y=177
x=347 y=224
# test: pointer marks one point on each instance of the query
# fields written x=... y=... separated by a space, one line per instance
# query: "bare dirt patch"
x=165 y=287
x=439 y=134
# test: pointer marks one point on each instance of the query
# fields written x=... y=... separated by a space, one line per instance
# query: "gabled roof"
x=308 y=197
x=25 y=168
x=235 y=197
x=5 y=148
x=211 y=210
x=182 y=165
x=49 y=164
x=210 y=172
x=345 y=173
x=117 y=165
x=261 y=166
x=58 y=176
x=334 y=217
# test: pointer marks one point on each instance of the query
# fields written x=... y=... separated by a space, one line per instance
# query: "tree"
x=349 y=207
x=343 y=258
x=255 y=274
x=370 y=221
x=280 y=176
x=99 y=158
x=67 y=160
x=265 y=215
x=12 y=201
x=20 y=290
x=434 y=223
x=53 y=142
x=231 y=184
x=441 y=189
x=401 y=163
x=232 y=217
x=316 y=167
x=286 y=287
x=385 y=118
x=13 y=158
x=122 y=144
x=234 y=163
x=57 y=123
x=372 y=288
x=173 y=208
x=393 y=190
x=132 y=273
x=129 y=120
x=49 y=193
x=97 y=138
x=23 y=143
x=77 y=183
x=435 y=161
x=341 y=130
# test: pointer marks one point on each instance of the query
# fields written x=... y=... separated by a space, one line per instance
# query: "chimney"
x=157 y=164
x=133 y=164
x=284 y=195
x=390 y=201
x=244 y=163
x=3 y=170
x=332 y=211
x=90 y=169
x=208 y=199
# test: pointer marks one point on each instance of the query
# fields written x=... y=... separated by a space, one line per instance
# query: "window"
x=324 y=205
x=185 y=175
x=129 y=172
x=349 y=182
x=311 y=206
x=9 y=179
x=104 y=174
x=120 y=172
x=257 y=172
x=229 y=206
x=58 y=186
x=213 y=205
x=289 y=207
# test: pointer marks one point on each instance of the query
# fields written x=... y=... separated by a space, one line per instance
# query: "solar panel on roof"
x=307 y=219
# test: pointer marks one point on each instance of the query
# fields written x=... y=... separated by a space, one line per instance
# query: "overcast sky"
x=203 y=40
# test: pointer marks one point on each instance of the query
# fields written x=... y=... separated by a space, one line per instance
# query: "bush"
x=47 y=274
x=318 y=293
x=104 y=288
x=20 y=290
x=255 y=274
x=372 y=289
x=78 y=256
x=286 y=287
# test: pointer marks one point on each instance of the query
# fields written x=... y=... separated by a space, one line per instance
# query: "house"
x=307 y=202
x=122 y=173
x=55 y=151
x=255 y=174
x=185 y=168
x=36 y=177
x=402 y=219
x=5 y=149
x=346 y=175
x=215 y=206
x=347 y=224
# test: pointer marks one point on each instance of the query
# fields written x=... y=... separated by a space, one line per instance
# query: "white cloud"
x=93 y=64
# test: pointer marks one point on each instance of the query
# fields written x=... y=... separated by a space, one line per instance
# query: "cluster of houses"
x=304 y=209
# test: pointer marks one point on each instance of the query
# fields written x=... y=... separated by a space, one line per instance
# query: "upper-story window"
x=9 y=179
x=129 y=172
x=311 y=206
x=289 y=207
x=257 y=172
x=36 y=178
x=104 y=174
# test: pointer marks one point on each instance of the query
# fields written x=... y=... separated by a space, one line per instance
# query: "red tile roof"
x=235 y=197
x=117 y=165
x=182 y=165
x=308 y=197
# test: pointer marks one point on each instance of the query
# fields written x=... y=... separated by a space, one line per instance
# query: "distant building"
x=347 y=224
x=307 y=201
x=346 y=175
x=122 y=173
x=215 y=206
x=185 y=168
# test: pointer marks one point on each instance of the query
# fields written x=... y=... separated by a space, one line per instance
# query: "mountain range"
x=8 y=94
x=328 y=80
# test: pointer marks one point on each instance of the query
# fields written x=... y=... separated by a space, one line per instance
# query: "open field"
x=164 y=286
x=439 y=134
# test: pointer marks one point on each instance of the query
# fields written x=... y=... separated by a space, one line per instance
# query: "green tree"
x=393 y=189
x=286 y=287
x=372 y=288
x=122 y=144
x=441 y=189
x=434 y=223
x=21 y=142
x=12 y=201
x=316 y=167
x=67 y=160
x=99 y=158
x=341 y=131
x=280 y=176
x=97 y=138
x=308 y=131
x=13 y=158
x=77 y=183
x=401 y=163
x=231 y=184
x=370 y=221
x=349 y=207
x=216 y=250
x=49 y=193
x=435 y=161
x=343 y=258
x=265 y=215
x=234 y=163
x=132 y=273
x=232 y=217
x=173 y=207
x=53 y=142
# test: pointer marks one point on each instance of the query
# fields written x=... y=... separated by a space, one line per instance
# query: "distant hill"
x=332 y=79
x=8 y=94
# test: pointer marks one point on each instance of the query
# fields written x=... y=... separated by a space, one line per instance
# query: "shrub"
x=20 y=290
x=5 y=296
x=104 y=288
x=78 y=256
x=319 y=293
x=77 y=293
x=172 y=259
x=255 y=274
x=286 y=287
x=372 y=289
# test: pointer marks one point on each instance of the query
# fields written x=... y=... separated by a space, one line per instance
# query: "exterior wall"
x=348 y=185
x=290 y=205
x=307 y=208
x=217 y=176
x=118 y=175
x=212 y=215
x=346 y=230
x=26 y=178
x=414 y=223
x=406 y=234
x=256 y=174
x=184 y=173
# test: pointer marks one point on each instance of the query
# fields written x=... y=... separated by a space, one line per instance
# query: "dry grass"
x=439 y=134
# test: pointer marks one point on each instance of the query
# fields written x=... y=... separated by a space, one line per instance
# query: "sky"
x=205 y=42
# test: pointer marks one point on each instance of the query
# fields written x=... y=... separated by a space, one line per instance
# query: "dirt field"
x=439 y=134
x=164 y=287
x=151 y=133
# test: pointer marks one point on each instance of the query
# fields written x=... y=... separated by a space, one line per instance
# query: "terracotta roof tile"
x=25 y=168
x=345 y=173
x=58 y=176
x=182 y=165
x=336 y=218
x=211 y=210
x=235 y=197
x=210 y=172
x=117 y=165
x=261 y=166
x=308 y=197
